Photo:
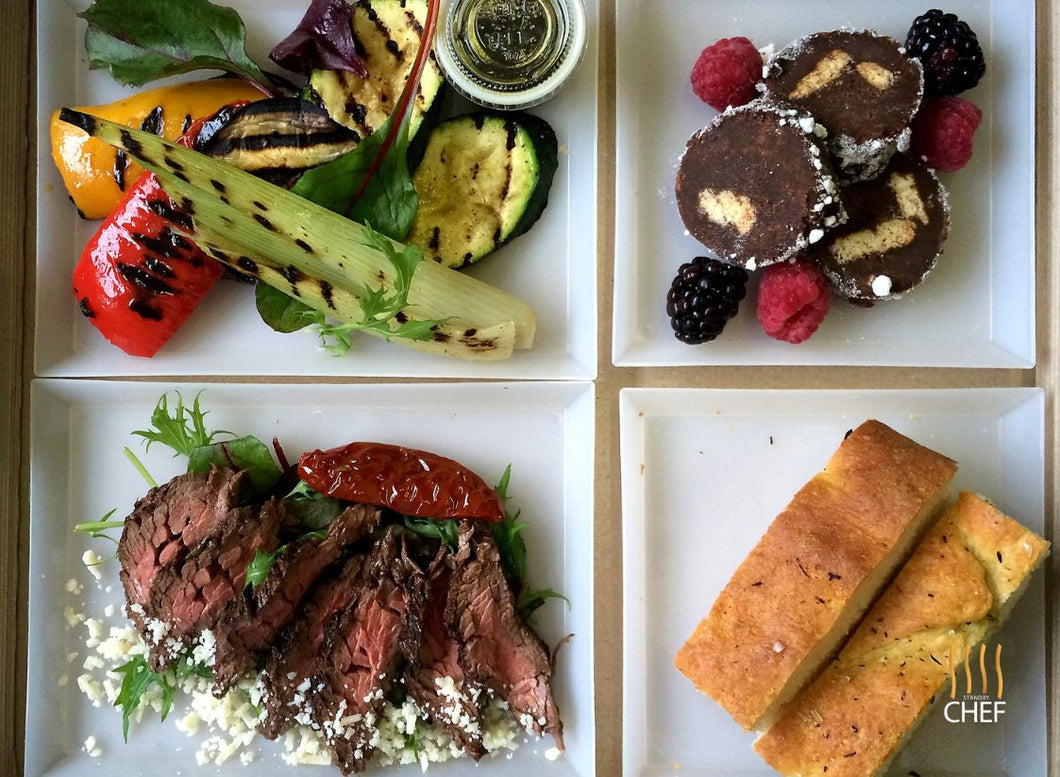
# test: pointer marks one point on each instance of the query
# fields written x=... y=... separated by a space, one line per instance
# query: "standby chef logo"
x=979 y=701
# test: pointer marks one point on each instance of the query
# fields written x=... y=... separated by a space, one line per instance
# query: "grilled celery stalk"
x=323 y=250
x=448 y=338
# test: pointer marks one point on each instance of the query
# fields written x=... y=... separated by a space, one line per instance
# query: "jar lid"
x=510 y=54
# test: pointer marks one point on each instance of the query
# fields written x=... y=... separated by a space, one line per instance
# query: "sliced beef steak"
x=252 y=622
x=184 y=553
x=295 y=659
x=434 y=678
x=498 y=649
x=190 y=598
x=363 y=651
x=168 y=522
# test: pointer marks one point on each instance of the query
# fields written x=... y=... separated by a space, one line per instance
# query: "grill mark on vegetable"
x=121 y=164
x=259 y=205
x=470 y=332
x=82 y=121
x=326 y=292
x=131 y=144
x=264 y=222
x=247 y=264
x=86 y=309
x=304 y=245
x=433 y=243
x=390 y=45
x=141 y=308
x=158 y=267
x=218 y=185
x=153 y=122
x=293 y=275
x=358 y=114
x=339 y=137
x=413 y=23
x=138 y=276
x=165 y=210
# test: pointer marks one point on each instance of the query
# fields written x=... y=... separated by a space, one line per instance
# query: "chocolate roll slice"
x=858 y=84
x=893 y=235
x=755 y=187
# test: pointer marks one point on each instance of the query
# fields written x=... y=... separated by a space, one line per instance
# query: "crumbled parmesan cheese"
x=227 y=726
x=74 y=587
x=553 y=753
x=92 y=562
x=92 y=748
x=778 y=647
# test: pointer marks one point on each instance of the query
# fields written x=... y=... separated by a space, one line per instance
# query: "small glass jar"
x=510 y=54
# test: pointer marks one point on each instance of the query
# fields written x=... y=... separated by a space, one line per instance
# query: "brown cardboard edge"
x=17 y=193
x=17 y=152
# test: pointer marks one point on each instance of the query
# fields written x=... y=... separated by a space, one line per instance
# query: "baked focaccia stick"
x=815 y=572
x=952 y=594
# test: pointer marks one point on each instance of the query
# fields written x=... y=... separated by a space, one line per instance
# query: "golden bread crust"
x=810 y=570
x=852 y=718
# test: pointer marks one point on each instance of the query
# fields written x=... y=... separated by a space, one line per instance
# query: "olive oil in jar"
x=511 y=53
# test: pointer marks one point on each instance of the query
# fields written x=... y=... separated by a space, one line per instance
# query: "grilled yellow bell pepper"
x=95 y=175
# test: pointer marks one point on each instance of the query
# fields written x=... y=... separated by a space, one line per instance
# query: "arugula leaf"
x=259 y=566
x=378 y=307
x=529 y=601
x=98 y=529
x=246 y=453
x=142 y=41
x=507 y=533
x=183 y=431
x=447 y=530
x=138 y=677
x=312 y=509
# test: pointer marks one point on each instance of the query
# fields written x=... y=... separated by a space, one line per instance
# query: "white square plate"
x=552 y=268
x=703 y=475
x=975 y=310
x=78 y=473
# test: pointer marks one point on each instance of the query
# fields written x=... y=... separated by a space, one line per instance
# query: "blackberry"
x=704 y=295
x=949 y=51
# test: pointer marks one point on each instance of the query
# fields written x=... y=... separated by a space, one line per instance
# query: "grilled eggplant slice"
x=275 y=139
x=387 y=35
x=483 y=181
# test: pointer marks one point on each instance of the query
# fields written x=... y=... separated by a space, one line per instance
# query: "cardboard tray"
x=18 y=224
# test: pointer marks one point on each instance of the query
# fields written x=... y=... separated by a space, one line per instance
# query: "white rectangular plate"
x=976 y=309
x=552 y=267
x=78 y=473
x=703 y=475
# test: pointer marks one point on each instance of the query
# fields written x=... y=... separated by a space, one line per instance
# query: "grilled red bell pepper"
x=138 y=280
x=406 y=480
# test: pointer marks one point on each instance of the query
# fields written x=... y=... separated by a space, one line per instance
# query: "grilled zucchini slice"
x=483 y=181
x=387 y=35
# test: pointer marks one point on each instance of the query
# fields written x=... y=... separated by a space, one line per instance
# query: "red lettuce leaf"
x=322 y=40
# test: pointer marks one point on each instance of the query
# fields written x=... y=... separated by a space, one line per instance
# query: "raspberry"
x=703 y=296
x=793 y=300
x=726 y=73
x=943 y=130
x=949 y=51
